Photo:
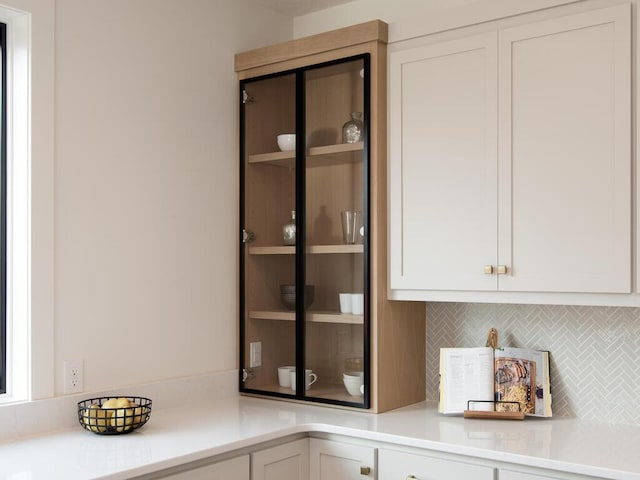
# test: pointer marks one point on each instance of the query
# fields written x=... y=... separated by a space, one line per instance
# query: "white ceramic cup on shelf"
x=284 y=376
x=357 y=303
x=310 y=378
x=345 y=302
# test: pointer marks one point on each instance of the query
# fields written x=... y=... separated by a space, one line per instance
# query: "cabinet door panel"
x=331 y=460
x=284 y=462
x=236 y=468
x=394 y=465
x=564 y=157
x=513 y=475
x=443 y=117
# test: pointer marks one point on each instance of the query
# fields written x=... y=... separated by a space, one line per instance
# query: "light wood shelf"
x=339 y=148
x=272 y=250
x=311 y=316
x=325 y=155
x=281 y=159
x=317 y=390
x=313 y=249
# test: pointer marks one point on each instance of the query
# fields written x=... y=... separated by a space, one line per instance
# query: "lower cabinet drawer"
x=395 y=465
x=235 y=468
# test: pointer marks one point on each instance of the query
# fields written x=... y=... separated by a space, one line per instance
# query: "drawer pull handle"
x=502 y=269
x=488 y=270
x=365 y=470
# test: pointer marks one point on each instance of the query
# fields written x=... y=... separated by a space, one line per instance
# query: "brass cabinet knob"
x=488 y=269
x=411 y=477
x=502 y=269
x=365 y=470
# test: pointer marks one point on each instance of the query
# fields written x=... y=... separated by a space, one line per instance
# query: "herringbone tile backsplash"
x=595 y=351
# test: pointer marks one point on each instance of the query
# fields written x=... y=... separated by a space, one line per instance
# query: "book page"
x=465 y=374
x=522 y=376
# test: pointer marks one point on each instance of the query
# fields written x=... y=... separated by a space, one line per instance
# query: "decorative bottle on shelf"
x=352 y=130
x=289 y=230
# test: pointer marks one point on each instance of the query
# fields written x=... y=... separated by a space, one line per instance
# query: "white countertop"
x=174 y=436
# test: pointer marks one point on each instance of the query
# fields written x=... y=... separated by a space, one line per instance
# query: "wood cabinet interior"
x=332 y=93
x=334 y=181
x=273 y=99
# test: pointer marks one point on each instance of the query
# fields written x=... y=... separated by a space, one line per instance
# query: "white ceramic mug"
x=357 y=303
x=284 y=376
x=310 y=379
x=345 y=302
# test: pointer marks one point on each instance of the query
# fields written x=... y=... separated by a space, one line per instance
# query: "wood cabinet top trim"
x=374 y=30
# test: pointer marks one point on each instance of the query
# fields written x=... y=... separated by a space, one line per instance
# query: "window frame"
x=30 y=200
x=3 y=208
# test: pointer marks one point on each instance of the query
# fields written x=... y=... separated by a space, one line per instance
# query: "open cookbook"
x=494 y=376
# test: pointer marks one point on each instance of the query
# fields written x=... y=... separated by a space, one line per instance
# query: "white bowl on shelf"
x=352 y=382
x=287 y=141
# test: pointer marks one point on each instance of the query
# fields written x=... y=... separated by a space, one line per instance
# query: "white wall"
x=145 y=175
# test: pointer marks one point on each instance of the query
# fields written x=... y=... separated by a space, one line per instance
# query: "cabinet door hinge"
x=246 y=98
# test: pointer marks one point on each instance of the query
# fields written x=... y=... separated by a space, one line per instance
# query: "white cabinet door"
x=283 y=462
x=443 y=165
x=393 y=465
x=513 y=475
x=564 y=154
x=518 y=159
x=235 y=468
x=331 y=460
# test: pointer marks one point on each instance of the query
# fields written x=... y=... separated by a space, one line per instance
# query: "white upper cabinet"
x=443 y=128
x=564 y=154
x=510 y=159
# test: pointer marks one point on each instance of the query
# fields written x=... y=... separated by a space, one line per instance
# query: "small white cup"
x=284 y=376
x=309 y=375
x=357 y=303
x=345 y=302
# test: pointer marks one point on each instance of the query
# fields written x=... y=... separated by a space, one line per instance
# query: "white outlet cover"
x=73 y=376
x=255 y=354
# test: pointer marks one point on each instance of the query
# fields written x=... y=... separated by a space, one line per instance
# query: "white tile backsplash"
x=595 y=351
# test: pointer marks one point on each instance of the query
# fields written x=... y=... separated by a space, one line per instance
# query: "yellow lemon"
x=122 y=419
x=139 y=416
x=95 y=418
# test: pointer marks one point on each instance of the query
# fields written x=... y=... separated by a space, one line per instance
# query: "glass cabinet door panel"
x=335 y=230
x=268 y=259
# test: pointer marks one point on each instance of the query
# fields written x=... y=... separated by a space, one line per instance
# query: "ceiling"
x=294 y=8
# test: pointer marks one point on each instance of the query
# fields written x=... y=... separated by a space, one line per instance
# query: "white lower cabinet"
x=395 y=465
x=332 y=460
x=511 y=475
x=234 y=468
x=532 y=474
x=354 y=459
x=289 y=461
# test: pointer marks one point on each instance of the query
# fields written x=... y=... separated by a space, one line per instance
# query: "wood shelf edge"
x=315 y=317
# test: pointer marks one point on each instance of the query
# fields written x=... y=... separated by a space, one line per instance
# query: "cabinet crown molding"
x=374 y=30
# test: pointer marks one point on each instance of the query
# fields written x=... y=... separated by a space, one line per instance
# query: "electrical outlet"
x=255 y=354
x=73 y=376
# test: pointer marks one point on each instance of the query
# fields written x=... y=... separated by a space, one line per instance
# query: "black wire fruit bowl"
x=113 y=416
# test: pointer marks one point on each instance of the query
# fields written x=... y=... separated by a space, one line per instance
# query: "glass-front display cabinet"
x=304 y=215
x=315 y=323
